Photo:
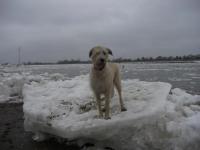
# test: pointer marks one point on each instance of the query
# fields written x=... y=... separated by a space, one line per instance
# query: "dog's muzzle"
x=100 y=65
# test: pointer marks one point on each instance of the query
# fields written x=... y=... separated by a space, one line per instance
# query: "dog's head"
x=99 y=56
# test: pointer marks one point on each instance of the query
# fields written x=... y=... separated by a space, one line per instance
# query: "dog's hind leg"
x=113 y=92
x=107 y=106
x=117 y=83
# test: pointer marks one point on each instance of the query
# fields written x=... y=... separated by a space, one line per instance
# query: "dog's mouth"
x=100 y=66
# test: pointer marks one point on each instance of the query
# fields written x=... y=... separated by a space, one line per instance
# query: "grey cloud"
x=51 y=30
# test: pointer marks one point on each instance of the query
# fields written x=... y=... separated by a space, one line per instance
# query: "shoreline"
x=13 y=136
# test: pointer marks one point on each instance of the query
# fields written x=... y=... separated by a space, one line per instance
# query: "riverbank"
x=13 y=136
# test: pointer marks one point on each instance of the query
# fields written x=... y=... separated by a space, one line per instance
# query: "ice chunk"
x=4 y=92
x=67 y=109
x=11 y=85
x=57 y=76
x=183 y=122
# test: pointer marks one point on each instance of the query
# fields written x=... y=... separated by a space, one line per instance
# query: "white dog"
x=103 y=77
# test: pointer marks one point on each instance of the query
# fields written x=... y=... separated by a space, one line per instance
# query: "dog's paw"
x=100 y=116
x=107 y=118
x=123 y=109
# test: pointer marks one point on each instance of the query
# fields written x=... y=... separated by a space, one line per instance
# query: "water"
x=181 y=75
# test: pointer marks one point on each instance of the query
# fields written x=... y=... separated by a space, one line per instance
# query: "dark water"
x=181 y=75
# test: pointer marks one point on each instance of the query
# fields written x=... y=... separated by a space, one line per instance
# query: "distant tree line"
x=73 y=61
x=188 y=58
x=38 y=63
x=160 y=58
x=66 y=61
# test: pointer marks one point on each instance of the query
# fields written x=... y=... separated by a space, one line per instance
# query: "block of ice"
x=67 y=109
x=155 y=119
x=11 y=86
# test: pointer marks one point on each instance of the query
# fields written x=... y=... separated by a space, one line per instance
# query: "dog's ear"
x=109 y=51
x=90 y=53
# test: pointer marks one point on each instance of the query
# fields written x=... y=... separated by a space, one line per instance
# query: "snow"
x=184 y=122
x=154 y=118
x=12 y=83
x=11 y=86
x=68 y=106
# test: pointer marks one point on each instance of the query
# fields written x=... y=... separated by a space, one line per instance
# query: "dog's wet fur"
x=104 y=76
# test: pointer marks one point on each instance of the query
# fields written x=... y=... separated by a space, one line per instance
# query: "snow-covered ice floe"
x=154 y=118
x=11 y=84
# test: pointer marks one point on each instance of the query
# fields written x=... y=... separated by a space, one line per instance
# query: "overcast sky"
x=51 y=30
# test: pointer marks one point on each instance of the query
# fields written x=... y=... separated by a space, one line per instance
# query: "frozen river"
x=181 y=75
x=181 y=109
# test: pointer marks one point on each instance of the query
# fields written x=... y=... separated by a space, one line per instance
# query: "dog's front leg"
x=107 y=106
x=98 y=100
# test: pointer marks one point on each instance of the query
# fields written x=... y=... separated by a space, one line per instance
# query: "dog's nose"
x=102 y=60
